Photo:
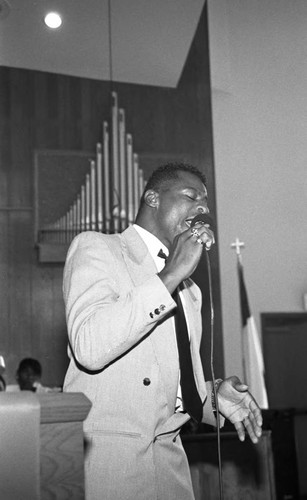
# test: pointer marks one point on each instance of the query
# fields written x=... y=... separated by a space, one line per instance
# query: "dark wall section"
x=45 y=111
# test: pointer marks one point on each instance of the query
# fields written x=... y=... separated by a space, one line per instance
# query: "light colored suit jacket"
x=123 y=357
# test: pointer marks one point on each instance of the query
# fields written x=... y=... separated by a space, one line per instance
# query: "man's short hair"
x=169 y=172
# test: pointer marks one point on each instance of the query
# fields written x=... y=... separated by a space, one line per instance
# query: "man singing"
x=134 y=326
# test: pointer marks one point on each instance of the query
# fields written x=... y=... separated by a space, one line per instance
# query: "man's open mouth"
x=190 y=219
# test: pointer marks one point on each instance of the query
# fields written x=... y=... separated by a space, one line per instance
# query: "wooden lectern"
x=42 y=445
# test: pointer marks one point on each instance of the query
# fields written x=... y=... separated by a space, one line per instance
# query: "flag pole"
x=238 y=245
x=253 y=363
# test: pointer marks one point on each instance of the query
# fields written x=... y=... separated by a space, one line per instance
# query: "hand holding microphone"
x=186 y=251
x=201 y=228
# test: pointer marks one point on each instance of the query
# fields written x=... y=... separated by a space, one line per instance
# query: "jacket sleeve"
x=104 y=323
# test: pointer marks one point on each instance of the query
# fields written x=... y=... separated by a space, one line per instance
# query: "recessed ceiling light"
x=53 y=20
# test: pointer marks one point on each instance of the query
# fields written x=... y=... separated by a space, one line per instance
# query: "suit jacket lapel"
x=141 y=267
x=137 y=257
x=191 y=306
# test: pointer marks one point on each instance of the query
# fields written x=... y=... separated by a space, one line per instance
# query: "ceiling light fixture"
x=53 y=20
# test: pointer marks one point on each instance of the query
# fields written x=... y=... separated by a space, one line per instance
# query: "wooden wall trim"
x=16 y=209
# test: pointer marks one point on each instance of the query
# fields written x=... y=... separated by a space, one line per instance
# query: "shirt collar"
x=153 y=244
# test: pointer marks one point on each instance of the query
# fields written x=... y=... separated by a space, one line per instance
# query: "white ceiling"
x=150 y=38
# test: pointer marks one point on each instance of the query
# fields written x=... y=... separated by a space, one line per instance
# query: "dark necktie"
x=191 y=400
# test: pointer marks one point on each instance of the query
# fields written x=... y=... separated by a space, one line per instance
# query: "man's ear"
x=151 y=198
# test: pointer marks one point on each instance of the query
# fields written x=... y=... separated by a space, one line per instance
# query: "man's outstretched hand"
x=239 y=406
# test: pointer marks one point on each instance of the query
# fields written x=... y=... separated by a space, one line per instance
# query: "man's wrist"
x=170 y=281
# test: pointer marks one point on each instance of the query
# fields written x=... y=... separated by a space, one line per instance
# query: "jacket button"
x=146 y=381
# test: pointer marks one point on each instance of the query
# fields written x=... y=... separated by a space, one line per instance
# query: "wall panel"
x=4 y=280
x=20 y=122
x=5 y=142
x=19 y=293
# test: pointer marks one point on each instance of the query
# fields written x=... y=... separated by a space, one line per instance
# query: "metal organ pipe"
x=109 y=197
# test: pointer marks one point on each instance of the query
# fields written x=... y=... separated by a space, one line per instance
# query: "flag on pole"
x=253 y=363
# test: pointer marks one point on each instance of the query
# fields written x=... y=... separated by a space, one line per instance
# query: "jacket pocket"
x=115 y=433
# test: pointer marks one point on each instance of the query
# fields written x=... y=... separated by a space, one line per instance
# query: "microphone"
x=204 y=218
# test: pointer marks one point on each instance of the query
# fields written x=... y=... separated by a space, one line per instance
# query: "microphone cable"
x=206 y=219
x=218 y=430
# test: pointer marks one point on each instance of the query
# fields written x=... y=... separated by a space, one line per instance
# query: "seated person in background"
x=28 y=376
